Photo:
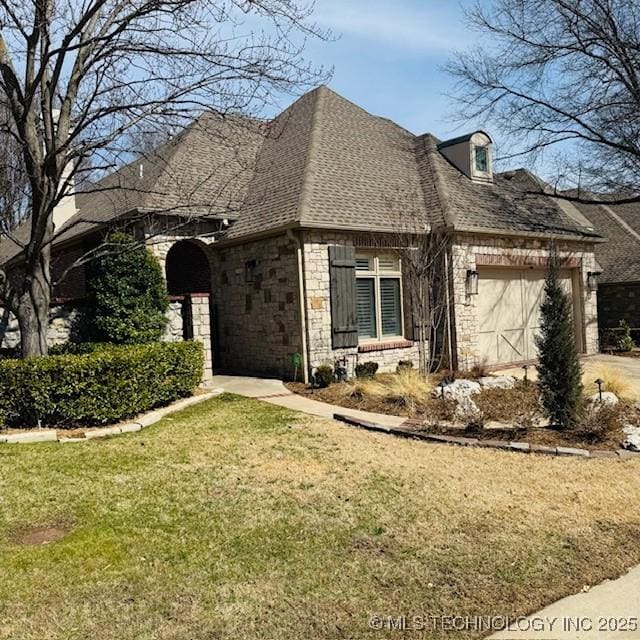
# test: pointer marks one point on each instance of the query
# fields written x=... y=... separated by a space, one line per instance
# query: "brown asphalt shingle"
x=620 y=256
x=325 y=163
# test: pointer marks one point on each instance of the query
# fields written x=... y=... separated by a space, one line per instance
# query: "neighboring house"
x=287 y=240
x=619 y=282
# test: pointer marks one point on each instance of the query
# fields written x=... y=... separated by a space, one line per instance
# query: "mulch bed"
x=518 y=406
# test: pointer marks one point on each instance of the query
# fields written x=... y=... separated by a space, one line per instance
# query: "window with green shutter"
x=344 y=314
x=379 y=297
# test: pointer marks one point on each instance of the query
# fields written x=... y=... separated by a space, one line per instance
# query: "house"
x=619 y=258
x=279 y=240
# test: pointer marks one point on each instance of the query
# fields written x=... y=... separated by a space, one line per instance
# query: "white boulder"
x=458 y=389
x=497 y=382
x=608 y=398
x=467 y=411
x=631 y=437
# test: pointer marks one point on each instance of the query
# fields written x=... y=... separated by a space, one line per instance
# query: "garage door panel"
x=511 y=345
x=508 y=307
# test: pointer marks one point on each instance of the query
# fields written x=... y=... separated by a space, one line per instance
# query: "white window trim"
x=376 y=275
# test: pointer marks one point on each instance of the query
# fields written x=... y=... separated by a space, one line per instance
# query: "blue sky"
x=390 y=55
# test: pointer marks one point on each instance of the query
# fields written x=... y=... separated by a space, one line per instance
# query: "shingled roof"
x=323 y=163
x=620 y=224
x=202 y=172
x=329 y=163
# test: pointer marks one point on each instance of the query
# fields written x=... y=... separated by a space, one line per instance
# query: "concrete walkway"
x=274 y=392
x=616 y=602
x=594 y=615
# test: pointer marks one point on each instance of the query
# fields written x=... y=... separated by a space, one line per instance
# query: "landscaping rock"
x=497 y=382
x=130 y=428
x=102 y=432
x=607 y=398
x=570 y=451
x=631 y=437
x=467 y=411
x=31 y=436
x=458 y=389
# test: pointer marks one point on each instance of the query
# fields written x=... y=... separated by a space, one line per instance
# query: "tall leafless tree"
x=81 y=75
x=561 y=80
x=424 y=251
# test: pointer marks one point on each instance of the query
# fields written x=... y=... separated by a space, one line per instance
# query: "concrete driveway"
x=594 y=367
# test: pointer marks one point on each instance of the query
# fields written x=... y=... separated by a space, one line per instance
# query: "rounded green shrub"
x=366 y=370
x=324 y=376
x=126 y=293
x=97 y=388
x=404 y=365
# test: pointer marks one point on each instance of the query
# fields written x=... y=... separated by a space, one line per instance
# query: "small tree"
x=559 y=370
x=127 y=293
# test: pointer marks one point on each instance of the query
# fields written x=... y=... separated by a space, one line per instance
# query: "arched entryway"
x=188 y=269
x=188 y=275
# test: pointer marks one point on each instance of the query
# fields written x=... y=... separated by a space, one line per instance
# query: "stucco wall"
x=467 y=247
x=318 y=305
x=258 y=321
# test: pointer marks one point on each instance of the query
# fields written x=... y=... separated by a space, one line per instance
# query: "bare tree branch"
x=561 y=77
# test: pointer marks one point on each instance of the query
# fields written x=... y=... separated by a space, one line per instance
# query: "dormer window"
x=482 y=158
x=470 y=154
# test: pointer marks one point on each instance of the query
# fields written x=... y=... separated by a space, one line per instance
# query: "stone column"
x=201 y=328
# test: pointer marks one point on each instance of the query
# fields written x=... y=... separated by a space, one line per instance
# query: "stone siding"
x=256 y=306
x=318 y=307
x=619 y=302
x=61 y=322
x=174 y=331
x=467 y=247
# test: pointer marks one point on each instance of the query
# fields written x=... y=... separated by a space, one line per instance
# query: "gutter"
x=301 y=301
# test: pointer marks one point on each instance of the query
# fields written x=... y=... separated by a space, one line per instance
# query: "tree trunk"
x=32 y=312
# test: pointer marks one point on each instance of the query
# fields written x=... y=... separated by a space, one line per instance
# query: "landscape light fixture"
x=599 y=382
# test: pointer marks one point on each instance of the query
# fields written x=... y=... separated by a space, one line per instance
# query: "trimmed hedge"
x=105 y=386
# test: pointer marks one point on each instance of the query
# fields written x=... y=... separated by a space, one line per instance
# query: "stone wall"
x=61 y=321
x=174 y=331
x=256 y=307
x=619 y=302
x=464 y=252
x=318 y=308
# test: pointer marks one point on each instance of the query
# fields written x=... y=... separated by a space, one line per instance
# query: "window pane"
x=364 y=263
x=390 y=306
x=482 y=159
x=366 y=308
x=389 y=263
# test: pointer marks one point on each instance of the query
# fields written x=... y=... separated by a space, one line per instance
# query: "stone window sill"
x=367 y=347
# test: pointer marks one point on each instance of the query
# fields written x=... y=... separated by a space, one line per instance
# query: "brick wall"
x=619 y=302
x=468 y=248
x=318 y=307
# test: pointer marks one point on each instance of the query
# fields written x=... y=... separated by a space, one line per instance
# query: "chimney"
x=471 y=154
x=66 y=208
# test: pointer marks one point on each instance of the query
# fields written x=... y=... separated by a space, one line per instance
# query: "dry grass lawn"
x=238 y=520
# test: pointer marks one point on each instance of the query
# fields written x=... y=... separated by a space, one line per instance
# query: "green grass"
x=235 y=519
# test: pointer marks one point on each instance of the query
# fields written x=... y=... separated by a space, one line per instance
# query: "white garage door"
x=508 y=305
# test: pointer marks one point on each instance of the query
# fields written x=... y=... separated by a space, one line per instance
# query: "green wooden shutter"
x=409 y=319
x=344 y=317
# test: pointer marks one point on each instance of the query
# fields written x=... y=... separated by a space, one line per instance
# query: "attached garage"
x=508 y=307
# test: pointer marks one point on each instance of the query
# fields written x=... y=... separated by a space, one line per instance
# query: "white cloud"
x=405 y=24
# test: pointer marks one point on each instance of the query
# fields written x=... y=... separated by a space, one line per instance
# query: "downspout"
x=301 y=302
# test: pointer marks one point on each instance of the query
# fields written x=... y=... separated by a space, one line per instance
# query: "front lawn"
x=236 y=519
